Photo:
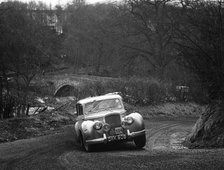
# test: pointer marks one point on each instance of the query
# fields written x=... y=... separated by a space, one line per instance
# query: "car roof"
x=97 y=98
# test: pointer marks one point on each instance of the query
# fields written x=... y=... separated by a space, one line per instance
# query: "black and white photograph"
x=111 y=84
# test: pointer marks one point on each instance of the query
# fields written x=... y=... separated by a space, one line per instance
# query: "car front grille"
x=114 y=120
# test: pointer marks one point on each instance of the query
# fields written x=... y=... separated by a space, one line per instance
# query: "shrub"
x=134 y=91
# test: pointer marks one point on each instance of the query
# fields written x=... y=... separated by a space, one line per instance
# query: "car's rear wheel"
x=87 y=147
x=140 y=141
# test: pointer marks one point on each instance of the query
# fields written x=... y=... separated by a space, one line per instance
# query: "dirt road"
x=163 y=151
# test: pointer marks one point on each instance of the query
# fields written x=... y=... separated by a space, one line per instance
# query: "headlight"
x=128 y=120
x=123 y=124
x=106 y=127
x=98 y=125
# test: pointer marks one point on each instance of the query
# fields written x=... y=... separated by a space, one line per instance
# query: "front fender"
x=88 y=132
x=138 y=123
x=76 y=127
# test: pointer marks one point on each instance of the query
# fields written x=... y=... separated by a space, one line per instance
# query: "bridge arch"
x=64 y=90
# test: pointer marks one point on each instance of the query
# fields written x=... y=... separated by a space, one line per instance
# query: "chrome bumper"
x=98 y=140
x=130 y=135
x=135 y=134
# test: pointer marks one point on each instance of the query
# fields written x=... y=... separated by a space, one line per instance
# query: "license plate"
x=118 y=130
x=117 y=137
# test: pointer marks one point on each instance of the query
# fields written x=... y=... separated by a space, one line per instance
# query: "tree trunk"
x=1 y=101
x=23 y=110
x=27 y=110
x=100 y=55
x=209 y=129
x=19 y=110
x=6 y=82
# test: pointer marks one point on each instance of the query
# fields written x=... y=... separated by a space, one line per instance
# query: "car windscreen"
x=101 y=105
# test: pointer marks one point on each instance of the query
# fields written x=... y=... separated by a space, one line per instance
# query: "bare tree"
x=154 y=28
x=201 y=45
x=27 y=45
x=88 y=40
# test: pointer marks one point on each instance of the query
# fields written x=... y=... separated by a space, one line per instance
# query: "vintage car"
x=103 y=119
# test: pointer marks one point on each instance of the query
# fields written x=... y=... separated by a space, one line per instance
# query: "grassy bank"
x=168 y=110
x=53 y=121
x=149 y=97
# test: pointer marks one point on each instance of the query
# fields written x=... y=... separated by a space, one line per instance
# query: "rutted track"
x=163 y=151
x=158 y=139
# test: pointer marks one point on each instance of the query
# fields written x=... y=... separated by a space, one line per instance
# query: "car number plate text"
x=117 y=137
x=118 y=130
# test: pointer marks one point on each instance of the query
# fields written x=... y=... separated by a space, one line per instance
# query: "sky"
x=61 y=2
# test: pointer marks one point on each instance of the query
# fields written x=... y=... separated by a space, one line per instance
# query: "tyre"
x=87 y=147
x=140 y=141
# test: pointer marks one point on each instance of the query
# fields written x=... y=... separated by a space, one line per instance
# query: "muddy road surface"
x=163 y=151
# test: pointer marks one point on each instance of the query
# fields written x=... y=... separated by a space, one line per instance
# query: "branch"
x=4 y=11
x=139 y=49
x=148 y=60
x=195 y=44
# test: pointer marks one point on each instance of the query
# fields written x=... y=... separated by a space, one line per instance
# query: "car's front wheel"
x=140 y=141
x=87 y=147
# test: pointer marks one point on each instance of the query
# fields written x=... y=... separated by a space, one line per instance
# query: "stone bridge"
x=65 y=87
x=69 y=85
